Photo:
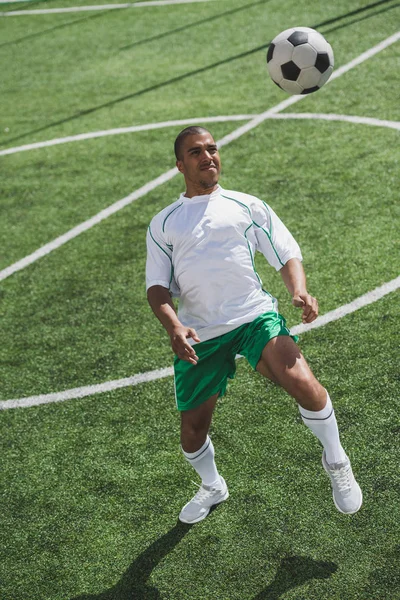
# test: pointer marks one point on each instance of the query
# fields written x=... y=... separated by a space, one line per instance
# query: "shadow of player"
x=293 y=572
x=133 y=583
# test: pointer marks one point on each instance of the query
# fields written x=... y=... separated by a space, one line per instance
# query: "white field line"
x=293 y=99
x=73 y=9
x=346 y=309
x=47 y=248
x=121 y=130
x=89 y=390
x=365 y=56
x=223 y=118
x=86 y=225
x=346 y=118
x=109 y=386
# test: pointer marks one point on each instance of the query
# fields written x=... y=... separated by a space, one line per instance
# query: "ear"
x=179 y=166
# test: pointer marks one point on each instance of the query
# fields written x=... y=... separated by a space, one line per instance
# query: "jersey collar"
x=204 y=198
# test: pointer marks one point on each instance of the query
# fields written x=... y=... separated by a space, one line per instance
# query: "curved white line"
x=394 y=284
x=73 y=9
x=108 y=386
x=346 y=309
x=346 y=118
x=121 y=130
x=44 y=250
x=220 y=119
x=89 y=390
x=139 y=193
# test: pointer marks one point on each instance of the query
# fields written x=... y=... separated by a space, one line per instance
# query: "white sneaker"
x=346 y=492
x=199 y=506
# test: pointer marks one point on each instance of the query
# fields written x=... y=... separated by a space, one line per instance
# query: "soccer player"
x=201 y=249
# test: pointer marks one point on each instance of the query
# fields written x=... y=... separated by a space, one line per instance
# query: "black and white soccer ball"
x=300 y=60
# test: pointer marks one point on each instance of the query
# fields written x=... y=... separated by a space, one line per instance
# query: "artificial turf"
x=91 y=488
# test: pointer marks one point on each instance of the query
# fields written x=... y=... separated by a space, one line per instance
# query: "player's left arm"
x=294 y=278
x=282 y=252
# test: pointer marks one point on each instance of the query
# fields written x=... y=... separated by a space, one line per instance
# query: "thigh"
x=285 y=364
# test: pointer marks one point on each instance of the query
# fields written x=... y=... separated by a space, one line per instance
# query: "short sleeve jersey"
x=202 y=249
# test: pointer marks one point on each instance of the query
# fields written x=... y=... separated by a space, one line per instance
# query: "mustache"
x=209 y=164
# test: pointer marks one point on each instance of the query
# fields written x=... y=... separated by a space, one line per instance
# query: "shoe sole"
x=353 y=512
x=224 y=497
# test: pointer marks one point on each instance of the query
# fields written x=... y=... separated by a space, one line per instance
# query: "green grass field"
x=91 y=487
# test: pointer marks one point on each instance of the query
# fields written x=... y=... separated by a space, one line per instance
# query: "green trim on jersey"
x=268 y=234
x=267 y=207
x=194 y=384
x=251 y=254
x=238 y=202
x=166 y=253
x=169 y=214
x=245 y=234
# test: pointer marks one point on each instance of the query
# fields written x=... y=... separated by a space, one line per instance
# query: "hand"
x=181 y=347
x=309 y=306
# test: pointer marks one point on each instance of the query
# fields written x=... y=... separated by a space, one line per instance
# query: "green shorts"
x=194 y=384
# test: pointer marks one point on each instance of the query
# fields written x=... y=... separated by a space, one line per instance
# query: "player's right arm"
x=159 y=281
x=162 y=306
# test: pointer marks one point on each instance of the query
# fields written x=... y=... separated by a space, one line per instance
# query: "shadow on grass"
x=52 y=29
x=293 y=572
x=185 y=28
x=133 y=583
x=349 y=23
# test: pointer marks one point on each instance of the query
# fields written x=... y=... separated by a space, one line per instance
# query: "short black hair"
x=192 y=130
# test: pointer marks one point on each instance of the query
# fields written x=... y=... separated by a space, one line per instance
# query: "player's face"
x=200 y=163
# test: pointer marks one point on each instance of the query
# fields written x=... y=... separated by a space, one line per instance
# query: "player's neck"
x=198 y=190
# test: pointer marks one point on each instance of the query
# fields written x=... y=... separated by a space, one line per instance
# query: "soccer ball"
x=300 y=60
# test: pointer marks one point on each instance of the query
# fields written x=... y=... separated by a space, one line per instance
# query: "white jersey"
x=202 y=249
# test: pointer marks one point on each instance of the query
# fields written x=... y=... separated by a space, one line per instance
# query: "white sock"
x=323 y=425
x=203 y=462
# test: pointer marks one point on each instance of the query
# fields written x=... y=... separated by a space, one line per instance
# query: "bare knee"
x=282 y=359
x=195 y=424
x=193 y=435
x=266 y=372
x=310 y=394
